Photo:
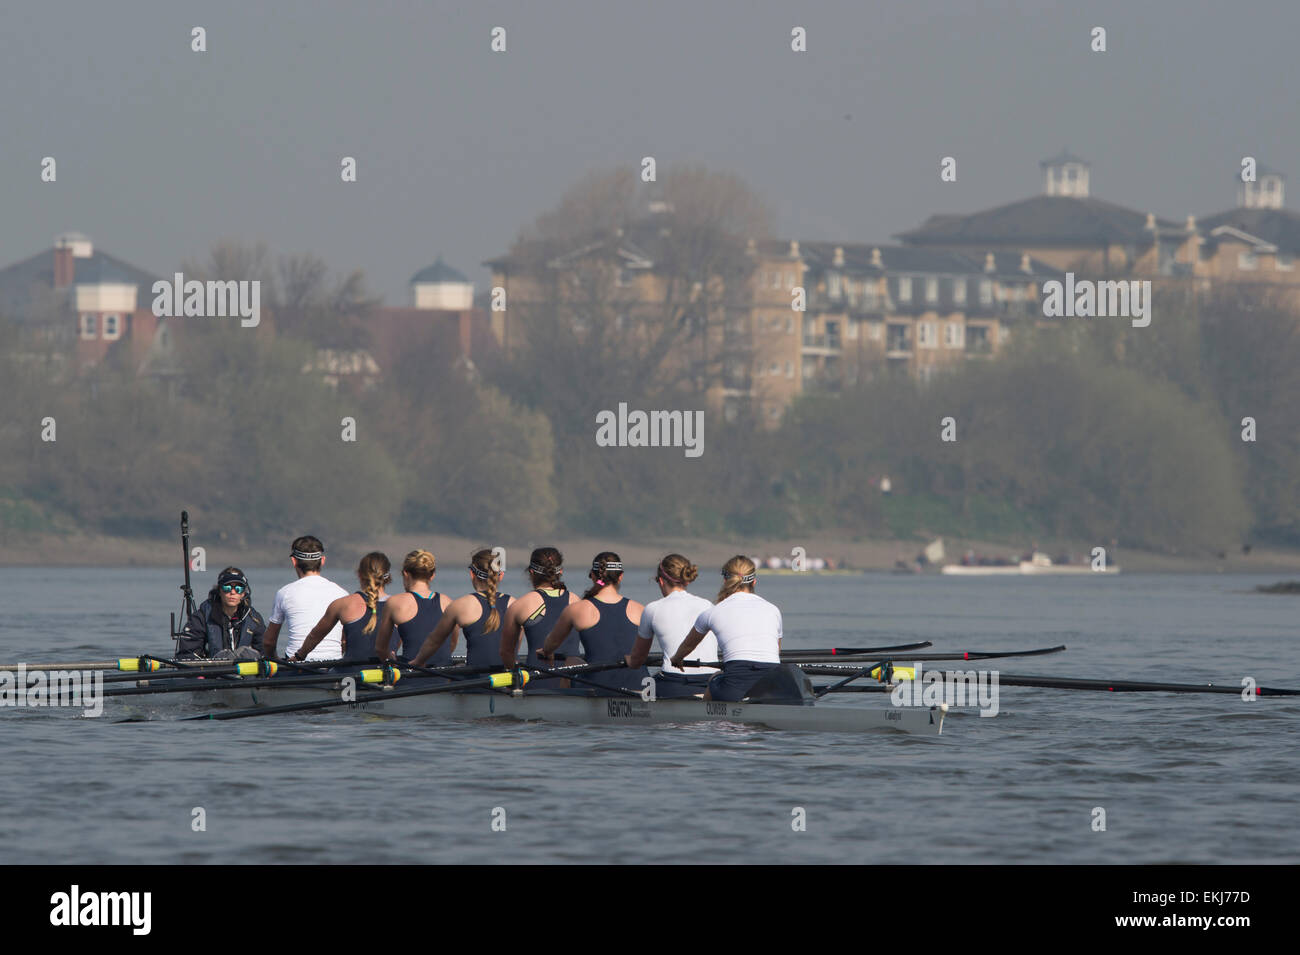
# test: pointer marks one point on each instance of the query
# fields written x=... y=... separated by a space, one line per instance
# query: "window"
x=851 y=330
x=625 y=278
x=776 y=278
x=776 y=368
x=897 y=339
x=905 y=289
x=954 y=335
x=789 y=279
x=1247 y=261
x=789 y=369
x=833 y=285
x=925 y=335
x=986 y=292
x=959 y=291
x=1284 y=263
x=932 y=290
x=112 y=327
x=89 y=326
x=789 y=325
x=876 y=331
x=977 y=340
x=869 y=295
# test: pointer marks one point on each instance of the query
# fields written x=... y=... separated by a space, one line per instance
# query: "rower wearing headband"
x=606 y=622
x=225 y=627
x=300 y=605
x=748 y=630
x=478 y=614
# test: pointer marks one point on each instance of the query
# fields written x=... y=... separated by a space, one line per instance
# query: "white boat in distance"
x=1038 y=564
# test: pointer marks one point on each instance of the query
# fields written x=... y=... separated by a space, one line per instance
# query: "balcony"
x=824 y=344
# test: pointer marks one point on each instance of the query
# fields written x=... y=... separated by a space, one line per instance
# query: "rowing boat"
x=605 y=711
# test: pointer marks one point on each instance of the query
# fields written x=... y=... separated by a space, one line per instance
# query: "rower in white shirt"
x=748 y=631
x=669 y=620
x=300 y=605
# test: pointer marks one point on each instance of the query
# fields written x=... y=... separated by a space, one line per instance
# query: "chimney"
x=1024 y=263
x=990 y=263
x=1151 y=222
x=64 y=268
x=1191 y=223
x=839 y=257
x=875 y=259
x=794 y=249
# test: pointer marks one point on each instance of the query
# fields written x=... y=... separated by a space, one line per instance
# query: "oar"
x=492 y=681
x=139 y=664
x=1112 y=686
x=217 y=683
x=834 y=669
x=853 y=651
x=822 y=691
x=1135 y=686
x=589 y=668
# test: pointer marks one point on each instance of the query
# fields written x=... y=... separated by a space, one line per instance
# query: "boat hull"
x=608 y=711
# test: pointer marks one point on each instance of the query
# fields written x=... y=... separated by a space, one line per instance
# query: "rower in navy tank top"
x=410 y=617
x=413 y=632
x=479 y=614
x=357 y=612
x=359 y=646
x=609 y=641
x=606 y=623
x=483 y=646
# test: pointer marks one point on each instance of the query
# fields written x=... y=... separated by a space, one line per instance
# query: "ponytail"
x=738 y=576
x=373 y=574
x=484 y=567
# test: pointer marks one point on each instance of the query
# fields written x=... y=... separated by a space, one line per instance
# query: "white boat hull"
x=608 y=711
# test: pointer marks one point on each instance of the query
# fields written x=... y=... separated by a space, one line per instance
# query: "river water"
x=1181 y=778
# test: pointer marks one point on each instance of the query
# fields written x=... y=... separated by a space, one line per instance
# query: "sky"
x=162 y=152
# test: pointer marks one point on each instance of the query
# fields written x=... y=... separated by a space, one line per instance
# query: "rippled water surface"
x=1182 y=778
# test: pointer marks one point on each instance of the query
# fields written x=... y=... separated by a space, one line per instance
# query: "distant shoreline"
x=51 y=550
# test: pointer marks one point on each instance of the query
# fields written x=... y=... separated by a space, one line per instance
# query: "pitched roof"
x=22 y=282
x=1042 y=221
x=1278 y=227
x=439 y=272
x=859 y=259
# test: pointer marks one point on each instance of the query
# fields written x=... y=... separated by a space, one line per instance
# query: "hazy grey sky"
x=162 y=151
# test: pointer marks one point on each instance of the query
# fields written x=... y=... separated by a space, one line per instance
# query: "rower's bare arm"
x=687 y=648
x=434 y=641
x=640 y=650
x=384 y=632
x=268 y=640
x=510 y=639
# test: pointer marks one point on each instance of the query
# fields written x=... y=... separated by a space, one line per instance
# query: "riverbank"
x=52 y=550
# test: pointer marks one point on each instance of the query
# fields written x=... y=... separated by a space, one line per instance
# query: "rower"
x=478 y=614
x=669 y=620
x=536 y=612
x=415 y=613
x=748 y=630
x=301 y=604
x=606 y=623
x=225 y=627
x=358 y=613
